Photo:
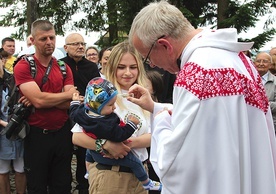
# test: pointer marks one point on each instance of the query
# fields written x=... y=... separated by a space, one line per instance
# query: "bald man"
x=83 y=71
x=263 y=63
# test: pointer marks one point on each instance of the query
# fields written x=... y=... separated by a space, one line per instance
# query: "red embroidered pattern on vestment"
x=208 y=83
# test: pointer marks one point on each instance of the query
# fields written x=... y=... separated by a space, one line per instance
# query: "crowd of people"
x=170 y=110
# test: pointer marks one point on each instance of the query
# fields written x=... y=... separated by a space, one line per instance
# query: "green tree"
x=114 y=17
x=244 y=16
x=22 y=13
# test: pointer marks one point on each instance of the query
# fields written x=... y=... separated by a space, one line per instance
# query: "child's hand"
x=133 y=119
x=76 y=97
x=81 y=98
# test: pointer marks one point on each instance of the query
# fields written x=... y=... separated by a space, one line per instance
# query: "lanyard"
x=45 y=77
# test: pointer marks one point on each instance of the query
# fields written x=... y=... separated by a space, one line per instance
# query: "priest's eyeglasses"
x=147 y=59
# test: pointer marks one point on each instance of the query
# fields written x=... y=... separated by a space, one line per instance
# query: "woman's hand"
x=141 y=96
x=115 y=149
x=142 y=141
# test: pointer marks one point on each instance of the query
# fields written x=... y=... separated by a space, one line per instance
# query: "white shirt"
x=264 y=78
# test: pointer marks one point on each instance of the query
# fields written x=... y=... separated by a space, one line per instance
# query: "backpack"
x=13 y=95
x=15 y=130
x=31 y=61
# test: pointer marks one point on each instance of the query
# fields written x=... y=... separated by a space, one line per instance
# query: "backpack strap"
x=31 y=61
x=62 y=67
x=13 y=94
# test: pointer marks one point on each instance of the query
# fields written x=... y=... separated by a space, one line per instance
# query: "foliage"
x=58 y=12
x=109 y=16
x=113 y=18
x=246 y=15
x=261 y=39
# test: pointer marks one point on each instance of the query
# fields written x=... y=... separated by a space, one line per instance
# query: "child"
x=97 y=118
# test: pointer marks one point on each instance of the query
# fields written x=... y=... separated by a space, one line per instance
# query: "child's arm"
x=116 y=132
x=74 y=104
x=120 y=134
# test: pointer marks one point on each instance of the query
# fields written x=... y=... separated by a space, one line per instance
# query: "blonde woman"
x=125 y=68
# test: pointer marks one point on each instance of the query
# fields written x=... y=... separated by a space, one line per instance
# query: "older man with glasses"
x=83 y=71
x=263 y=63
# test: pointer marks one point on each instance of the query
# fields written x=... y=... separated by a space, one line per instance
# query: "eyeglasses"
x=92 y=54
x=262 y=60
x=147 y=59
x=77 y=44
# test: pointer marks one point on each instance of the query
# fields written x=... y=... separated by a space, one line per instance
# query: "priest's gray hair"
x=158 y=19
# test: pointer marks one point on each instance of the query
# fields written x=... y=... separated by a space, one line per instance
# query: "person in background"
x=10 y=151
x=125 y=68
x=263 y=62
x=4 y=56
x=219 y=136
x=83 y=71
x=8 y=44
x=48 y=146
x=103 y=58
x=92 y=54
x=167 y=82
x=272 y=53
x=155 y=84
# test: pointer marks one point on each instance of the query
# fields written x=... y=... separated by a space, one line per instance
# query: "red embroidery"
x=208 y=83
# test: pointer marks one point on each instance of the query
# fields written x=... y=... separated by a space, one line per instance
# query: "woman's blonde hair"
x=114 y=59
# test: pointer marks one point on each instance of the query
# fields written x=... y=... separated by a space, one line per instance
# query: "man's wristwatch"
x=99 y=145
